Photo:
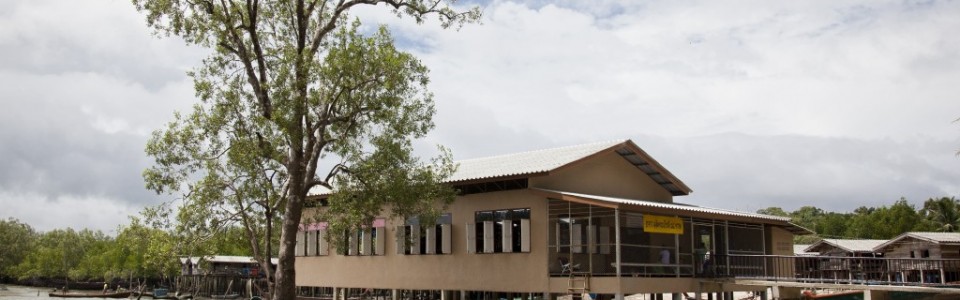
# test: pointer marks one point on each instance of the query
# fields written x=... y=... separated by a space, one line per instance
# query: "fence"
x=830 y=269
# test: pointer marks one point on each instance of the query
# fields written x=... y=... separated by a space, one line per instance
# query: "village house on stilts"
x=597 y=219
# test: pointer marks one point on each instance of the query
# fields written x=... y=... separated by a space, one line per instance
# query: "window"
x=311 y=240
x=301 y=243
x=372 y=238
x=364 y=241
x=414 y=238
x=499 y=231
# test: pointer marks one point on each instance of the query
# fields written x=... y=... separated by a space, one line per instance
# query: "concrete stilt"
x=394 y=294
x=875 y=295
x=784 y=292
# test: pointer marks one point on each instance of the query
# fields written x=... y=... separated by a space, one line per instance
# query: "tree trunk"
x=284 y=287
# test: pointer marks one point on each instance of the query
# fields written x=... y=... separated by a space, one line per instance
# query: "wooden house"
x=925 y=257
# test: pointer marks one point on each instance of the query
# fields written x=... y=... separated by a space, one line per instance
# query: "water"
x=16 y=292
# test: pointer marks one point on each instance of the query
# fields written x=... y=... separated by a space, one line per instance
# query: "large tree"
x=941 y=214
x=292 y=87
x=16 y=241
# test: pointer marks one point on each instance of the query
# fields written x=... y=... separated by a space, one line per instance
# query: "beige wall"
x=608 y=175
x=508 y=272
x=780 y=242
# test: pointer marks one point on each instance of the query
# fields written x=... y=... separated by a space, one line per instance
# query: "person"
x=105 y=286
x=665 y=256
x=706 y=263
x=699 y=252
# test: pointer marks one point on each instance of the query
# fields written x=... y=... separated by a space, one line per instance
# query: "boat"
x=124 y=294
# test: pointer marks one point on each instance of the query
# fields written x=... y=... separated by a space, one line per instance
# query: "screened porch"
x=611 y=240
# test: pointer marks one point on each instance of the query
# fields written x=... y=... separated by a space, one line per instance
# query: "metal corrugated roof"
x=847 y=245
x=933 y=237
x=800 y=250
x=939 y=237
x=525 y=163
x=674 y=206
x=318 y=190
x=547 y=160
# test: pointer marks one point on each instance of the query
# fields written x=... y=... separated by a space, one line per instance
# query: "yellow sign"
x=662 y=224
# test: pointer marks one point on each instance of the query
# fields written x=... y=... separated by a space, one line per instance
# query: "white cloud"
x=836 y=104
x=834 y=69
x=44 y=213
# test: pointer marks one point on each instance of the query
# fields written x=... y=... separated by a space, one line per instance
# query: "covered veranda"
x=597 y=236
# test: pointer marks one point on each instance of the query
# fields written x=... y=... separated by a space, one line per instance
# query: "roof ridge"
x=609 y=142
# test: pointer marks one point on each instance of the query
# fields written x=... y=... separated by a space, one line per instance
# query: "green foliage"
x=16 y=241
x=143 y=248
x=941 y=214
x=773 y=211
x=291 y=87
x=874 y=222
x=66 y=253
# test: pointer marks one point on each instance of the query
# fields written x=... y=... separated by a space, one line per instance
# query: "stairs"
x=578 y=284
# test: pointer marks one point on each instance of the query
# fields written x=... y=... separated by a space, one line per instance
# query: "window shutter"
x=507 y=236
x=322 y=248
x=525 y=235
x=445 y=238
x=604 y=239
x=430 y=236
x=414 y=239
x=381 y=240
x=311 y=243
x=471 y=238
x=401 y=239
x=559 y=241
x=576 y=238
x=488 y=237
x=591 y=238
x=366 y=242
x=352 y=237
x=300 y=244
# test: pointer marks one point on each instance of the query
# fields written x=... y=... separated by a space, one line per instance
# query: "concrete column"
x=394 y=294
x=618 y=296
x=335 y=293
x=463 y=295
x=546 y=296
x=875 y=295
x=783 y=292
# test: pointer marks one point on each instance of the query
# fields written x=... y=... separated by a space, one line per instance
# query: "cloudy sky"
x=836 y=104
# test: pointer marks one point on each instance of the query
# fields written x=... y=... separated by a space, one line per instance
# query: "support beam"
x=875 y=295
